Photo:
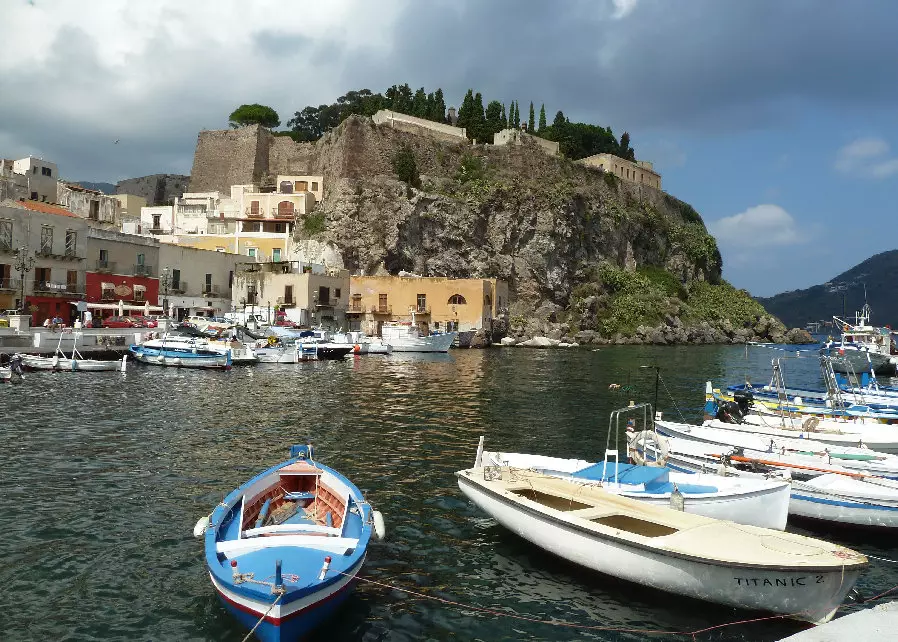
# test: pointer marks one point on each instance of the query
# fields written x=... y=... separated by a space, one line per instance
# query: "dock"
x=878 y=623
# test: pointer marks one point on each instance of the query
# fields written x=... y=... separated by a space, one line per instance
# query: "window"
x=254 y=208
x=251 y=295
x=104 y=257
x=288 y=294
x=457 y=299
x=71 y=242
x=382 y=302
x=71 y=280
x=301 y=186
x=46 y=171
x=252 y=226
x=324 y=295
x=33 y=196
x=176 y=279
x=314 y=186
x=278 y=227
x=336 y=293
x=34 y=170
x=157 y=221
x=276 y=254
x=487 y=300
x=286 y=187
x=251 y=251
x=231 y=279
x=422 y=303
x=140 y=259
x=285 y=209
x=46 y=239
x=5 y=235
x=41 y=278
x=94 y=213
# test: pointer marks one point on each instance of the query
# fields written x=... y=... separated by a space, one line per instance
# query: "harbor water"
x=104 y=476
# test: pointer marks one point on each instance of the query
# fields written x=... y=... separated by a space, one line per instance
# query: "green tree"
x=504 y=118
x=542 y=118
x=494 y=116
x=466 y=109
x=254 y=114
x=517 y=115
x=438 y=110
x=625 y=150
x=531 y=120
x=419 y=104
x=478 y=129
x=406 y=167
x=560 y=121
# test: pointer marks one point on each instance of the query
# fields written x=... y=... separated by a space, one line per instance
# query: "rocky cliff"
x=583 y=252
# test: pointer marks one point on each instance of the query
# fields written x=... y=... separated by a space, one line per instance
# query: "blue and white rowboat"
x=181 y=359
x=284 y=548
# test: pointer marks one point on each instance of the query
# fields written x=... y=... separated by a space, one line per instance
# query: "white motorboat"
x=361 y=343
x=61 y=362
x=878 y=437
x=758 y=502
x=240 y=354
x=841 y=498
x=405 y=337
x=682 y=553
x=807 y=452
x=13 y=372
x=862 y=346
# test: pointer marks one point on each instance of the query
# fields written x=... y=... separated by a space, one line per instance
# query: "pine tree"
x=542 y=118
x=625 y=150
x=517 y=115
x=438 y=111
x=419 y=103
x=478 y=121
x=494 y=115
x=504 y=118
x=531 y=120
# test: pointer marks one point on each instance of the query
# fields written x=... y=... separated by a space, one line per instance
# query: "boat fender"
x=380 y=528
x=272 y=341
x=200 y=527
x=677 y=501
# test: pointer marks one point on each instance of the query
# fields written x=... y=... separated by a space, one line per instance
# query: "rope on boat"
x=562 y=623
x=672 y=400
x=261 y=619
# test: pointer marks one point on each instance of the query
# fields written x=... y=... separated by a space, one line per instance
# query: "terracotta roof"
x=46 y=208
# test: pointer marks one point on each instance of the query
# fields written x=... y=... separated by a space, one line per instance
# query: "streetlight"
x=166 y=283
x=657 y=379
x=24 y=263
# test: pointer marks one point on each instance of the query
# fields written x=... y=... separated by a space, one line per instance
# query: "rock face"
x=542 y=223
x=157 y=188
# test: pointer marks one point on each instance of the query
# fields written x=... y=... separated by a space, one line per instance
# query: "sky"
x=776 y=120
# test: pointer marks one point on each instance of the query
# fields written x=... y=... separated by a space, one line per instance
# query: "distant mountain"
x=879 y=274
x=106 y=188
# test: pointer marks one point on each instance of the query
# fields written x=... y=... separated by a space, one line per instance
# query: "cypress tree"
x=542 y=117
x=438 y=112
x=494 y=118
x=531 y=120
x=517 y=115
x=504 y=118
x=419 y=104
x=465 y=111
x=478 y=120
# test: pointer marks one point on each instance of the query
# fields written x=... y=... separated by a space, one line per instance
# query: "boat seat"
x=626 y=473
x=299 y=495
x=291 y=528
x=335 y=545
x=593 y=512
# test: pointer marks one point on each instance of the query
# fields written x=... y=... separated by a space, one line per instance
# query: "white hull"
x=879 y=437
x=64 y=364
x=433 y=343
x=813 y=594
x=757 y=502
x=178 y=362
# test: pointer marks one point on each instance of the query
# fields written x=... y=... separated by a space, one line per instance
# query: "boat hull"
x=810 y=595
x=432 y=343
x=180 y=359
x=61 y=364
x=850 y=361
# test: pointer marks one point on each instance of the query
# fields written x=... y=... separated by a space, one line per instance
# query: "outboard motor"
x=744 y=399
x=730 y=412
x=15 y=365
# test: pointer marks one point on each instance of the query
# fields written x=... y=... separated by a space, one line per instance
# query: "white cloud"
x=867 y=157
x=758 y=226
x=622 y=8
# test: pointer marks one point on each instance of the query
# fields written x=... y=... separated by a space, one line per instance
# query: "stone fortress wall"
x=156 y=188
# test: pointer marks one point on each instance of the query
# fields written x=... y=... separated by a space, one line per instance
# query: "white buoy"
x=380 y=528
x=201 y=525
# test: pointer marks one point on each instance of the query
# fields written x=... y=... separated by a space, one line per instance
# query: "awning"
x=114 y=306
x=140 y=288
x=107 y=286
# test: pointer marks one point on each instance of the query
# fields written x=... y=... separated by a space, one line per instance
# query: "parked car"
x=122 y=322
x=148 y=322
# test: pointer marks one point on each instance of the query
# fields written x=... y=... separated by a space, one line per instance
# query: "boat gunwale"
x=577 y=528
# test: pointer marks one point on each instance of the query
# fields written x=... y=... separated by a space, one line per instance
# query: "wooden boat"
x=758 y=502
x=175 y=359
x=844 y=498
x=804 y=452
x=691 y=555
x=283 y=549
x=60 y=362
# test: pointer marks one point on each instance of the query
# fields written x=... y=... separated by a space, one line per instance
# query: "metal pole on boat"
x=657 y=379
x=278 y=580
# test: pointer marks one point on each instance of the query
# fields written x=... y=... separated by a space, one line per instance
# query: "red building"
x=121 y=267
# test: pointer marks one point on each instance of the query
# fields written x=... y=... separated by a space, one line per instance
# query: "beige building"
x=129 y=212
x=40 y=178
x=97 y=207
x=54 y=242
x=309 y=294
x=514 y=136
x=415 y=125
x=640 y=172
x=437 y=303
x=195 y=282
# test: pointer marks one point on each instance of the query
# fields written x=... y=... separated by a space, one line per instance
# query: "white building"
x=40 y=177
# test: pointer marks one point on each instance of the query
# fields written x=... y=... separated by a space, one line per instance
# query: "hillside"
x=879 y=274
x=586 y=255
x=106 y=188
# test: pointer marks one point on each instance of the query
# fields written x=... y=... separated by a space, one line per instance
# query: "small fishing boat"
x=405 y=337
x=861 y=345
x=692 y=555
x=209 y=359
x=283 y=549
x=240 y=354
x=846 y=498
x=13 y=372
x=61 y=362
x=758 y=502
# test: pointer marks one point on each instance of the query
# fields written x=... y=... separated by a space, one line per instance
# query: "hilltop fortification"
x=583 y=252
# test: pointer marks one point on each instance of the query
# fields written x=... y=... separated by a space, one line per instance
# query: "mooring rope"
x=261 y=619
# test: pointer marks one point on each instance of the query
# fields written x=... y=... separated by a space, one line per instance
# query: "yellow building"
x=436 y=303
x=131 y=206
x=641 y=172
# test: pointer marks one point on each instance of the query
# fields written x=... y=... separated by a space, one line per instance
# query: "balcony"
x=283 y=215
x=285 y=302
x=253 y=213
x=210 y=290
x=51 y=287
x=105 y=266
x=160 y=230
x=328 y=303
x=381 y=309
x=6 y=246
x=10 y=284
x=422 y=309
x=143 y=270
x=355 y=307
x=179 y=287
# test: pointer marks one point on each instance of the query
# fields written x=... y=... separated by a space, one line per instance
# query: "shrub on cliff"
x=708 y=302
x=254 y=115
x=313 y=224
x=406 y=168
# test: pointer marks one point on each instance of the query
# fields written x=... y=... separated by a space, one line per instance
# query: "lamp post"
x=24 y=263
x=166 y=284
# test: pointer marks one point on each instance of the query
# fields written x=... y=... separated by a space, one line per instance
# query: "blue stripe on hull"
x=832 y=502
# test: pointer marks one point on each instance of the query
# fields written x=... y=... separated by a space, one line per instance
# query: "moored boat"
x=283 y=549
x=678 y=552
x=240 y=354
x=12 y=373
x=862 y=345
x=405 y=337
x=207 y=359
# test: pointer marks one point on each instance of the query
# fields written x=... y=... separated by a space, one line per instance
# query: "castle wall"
x=415 y=125
x=157 y=189
x=229 y=157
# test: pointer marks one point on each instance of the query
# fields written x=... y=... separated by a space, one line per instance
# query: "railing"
x=179 y=286
x=422 y=309
x=45 y=250
x=10 y=284
x=277 y=213
x=160 y=230
x=105 y=266
x=6 y=246
x=254 y=213
x=143 y=270
x=382 y=309
x=328 y=303
x=286 y=301
x=58 y=288
x=356 y=307
x=70 y=251
x=210 y=290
